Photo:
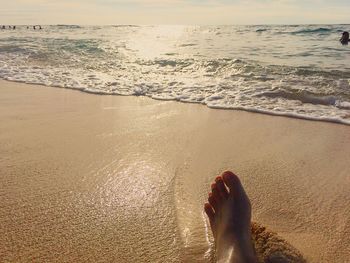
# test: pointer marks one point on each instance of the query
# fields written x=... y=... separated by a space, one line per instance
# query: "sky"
x=188 y=12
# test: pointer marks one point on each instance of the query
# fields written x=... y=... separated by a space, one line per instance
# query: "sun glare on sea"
x=155 y=41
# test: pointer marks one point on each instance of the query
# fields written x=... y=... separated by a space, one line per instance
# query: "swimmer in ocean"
x=345 y=38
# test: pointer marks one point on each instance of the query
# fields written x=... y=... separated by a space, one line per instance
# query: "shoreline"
x=265 y=112
x=123 y=178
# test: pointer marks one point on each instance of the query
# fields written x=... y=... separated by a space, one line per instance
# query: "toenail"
x=218 y=178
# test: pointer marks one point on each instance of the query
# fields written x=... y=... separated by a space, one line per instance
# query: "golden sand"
x=89 y=178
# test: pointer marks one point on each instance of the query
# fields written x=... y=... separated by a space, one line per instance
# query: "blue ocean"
x=290 y=70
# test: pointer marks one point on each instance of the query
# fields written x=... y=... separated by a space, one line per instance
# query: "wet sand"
x=89 y=178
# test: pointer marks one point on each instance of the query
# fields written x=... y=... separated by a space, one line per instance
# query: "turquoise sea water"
x=300 y=70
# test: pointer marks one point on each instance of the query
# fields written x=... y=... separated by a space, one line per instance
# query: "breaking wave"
x=190 y=64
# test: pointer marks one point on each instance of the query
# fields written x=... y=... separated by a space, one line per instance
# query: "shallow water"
x=122 y=179
x=299 y=71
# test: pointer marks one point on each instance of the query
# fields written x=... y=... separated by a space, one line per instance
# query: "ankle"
x=245 y=250
x=238 y=250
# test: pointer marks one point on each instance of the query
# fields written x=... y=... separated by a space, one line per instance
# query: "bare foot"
x=229 y=213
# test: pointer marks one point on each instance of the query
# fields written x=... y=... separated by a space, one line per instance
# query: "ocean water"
x=299 y=71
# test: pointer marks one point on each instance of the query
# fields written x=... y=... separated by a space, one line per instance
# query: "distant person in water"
x=345 y=38
x=229 y=213
x=34 y=27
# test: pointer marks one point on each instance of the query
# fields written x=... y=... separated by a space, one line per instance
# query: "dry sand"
x=89 y=178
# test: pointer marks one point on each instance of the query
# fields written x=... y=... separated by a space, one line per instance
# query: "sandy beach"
x=91 y=178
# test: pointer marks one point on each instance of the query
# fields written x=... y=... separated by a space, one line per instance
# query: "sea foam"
x=296 y=71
